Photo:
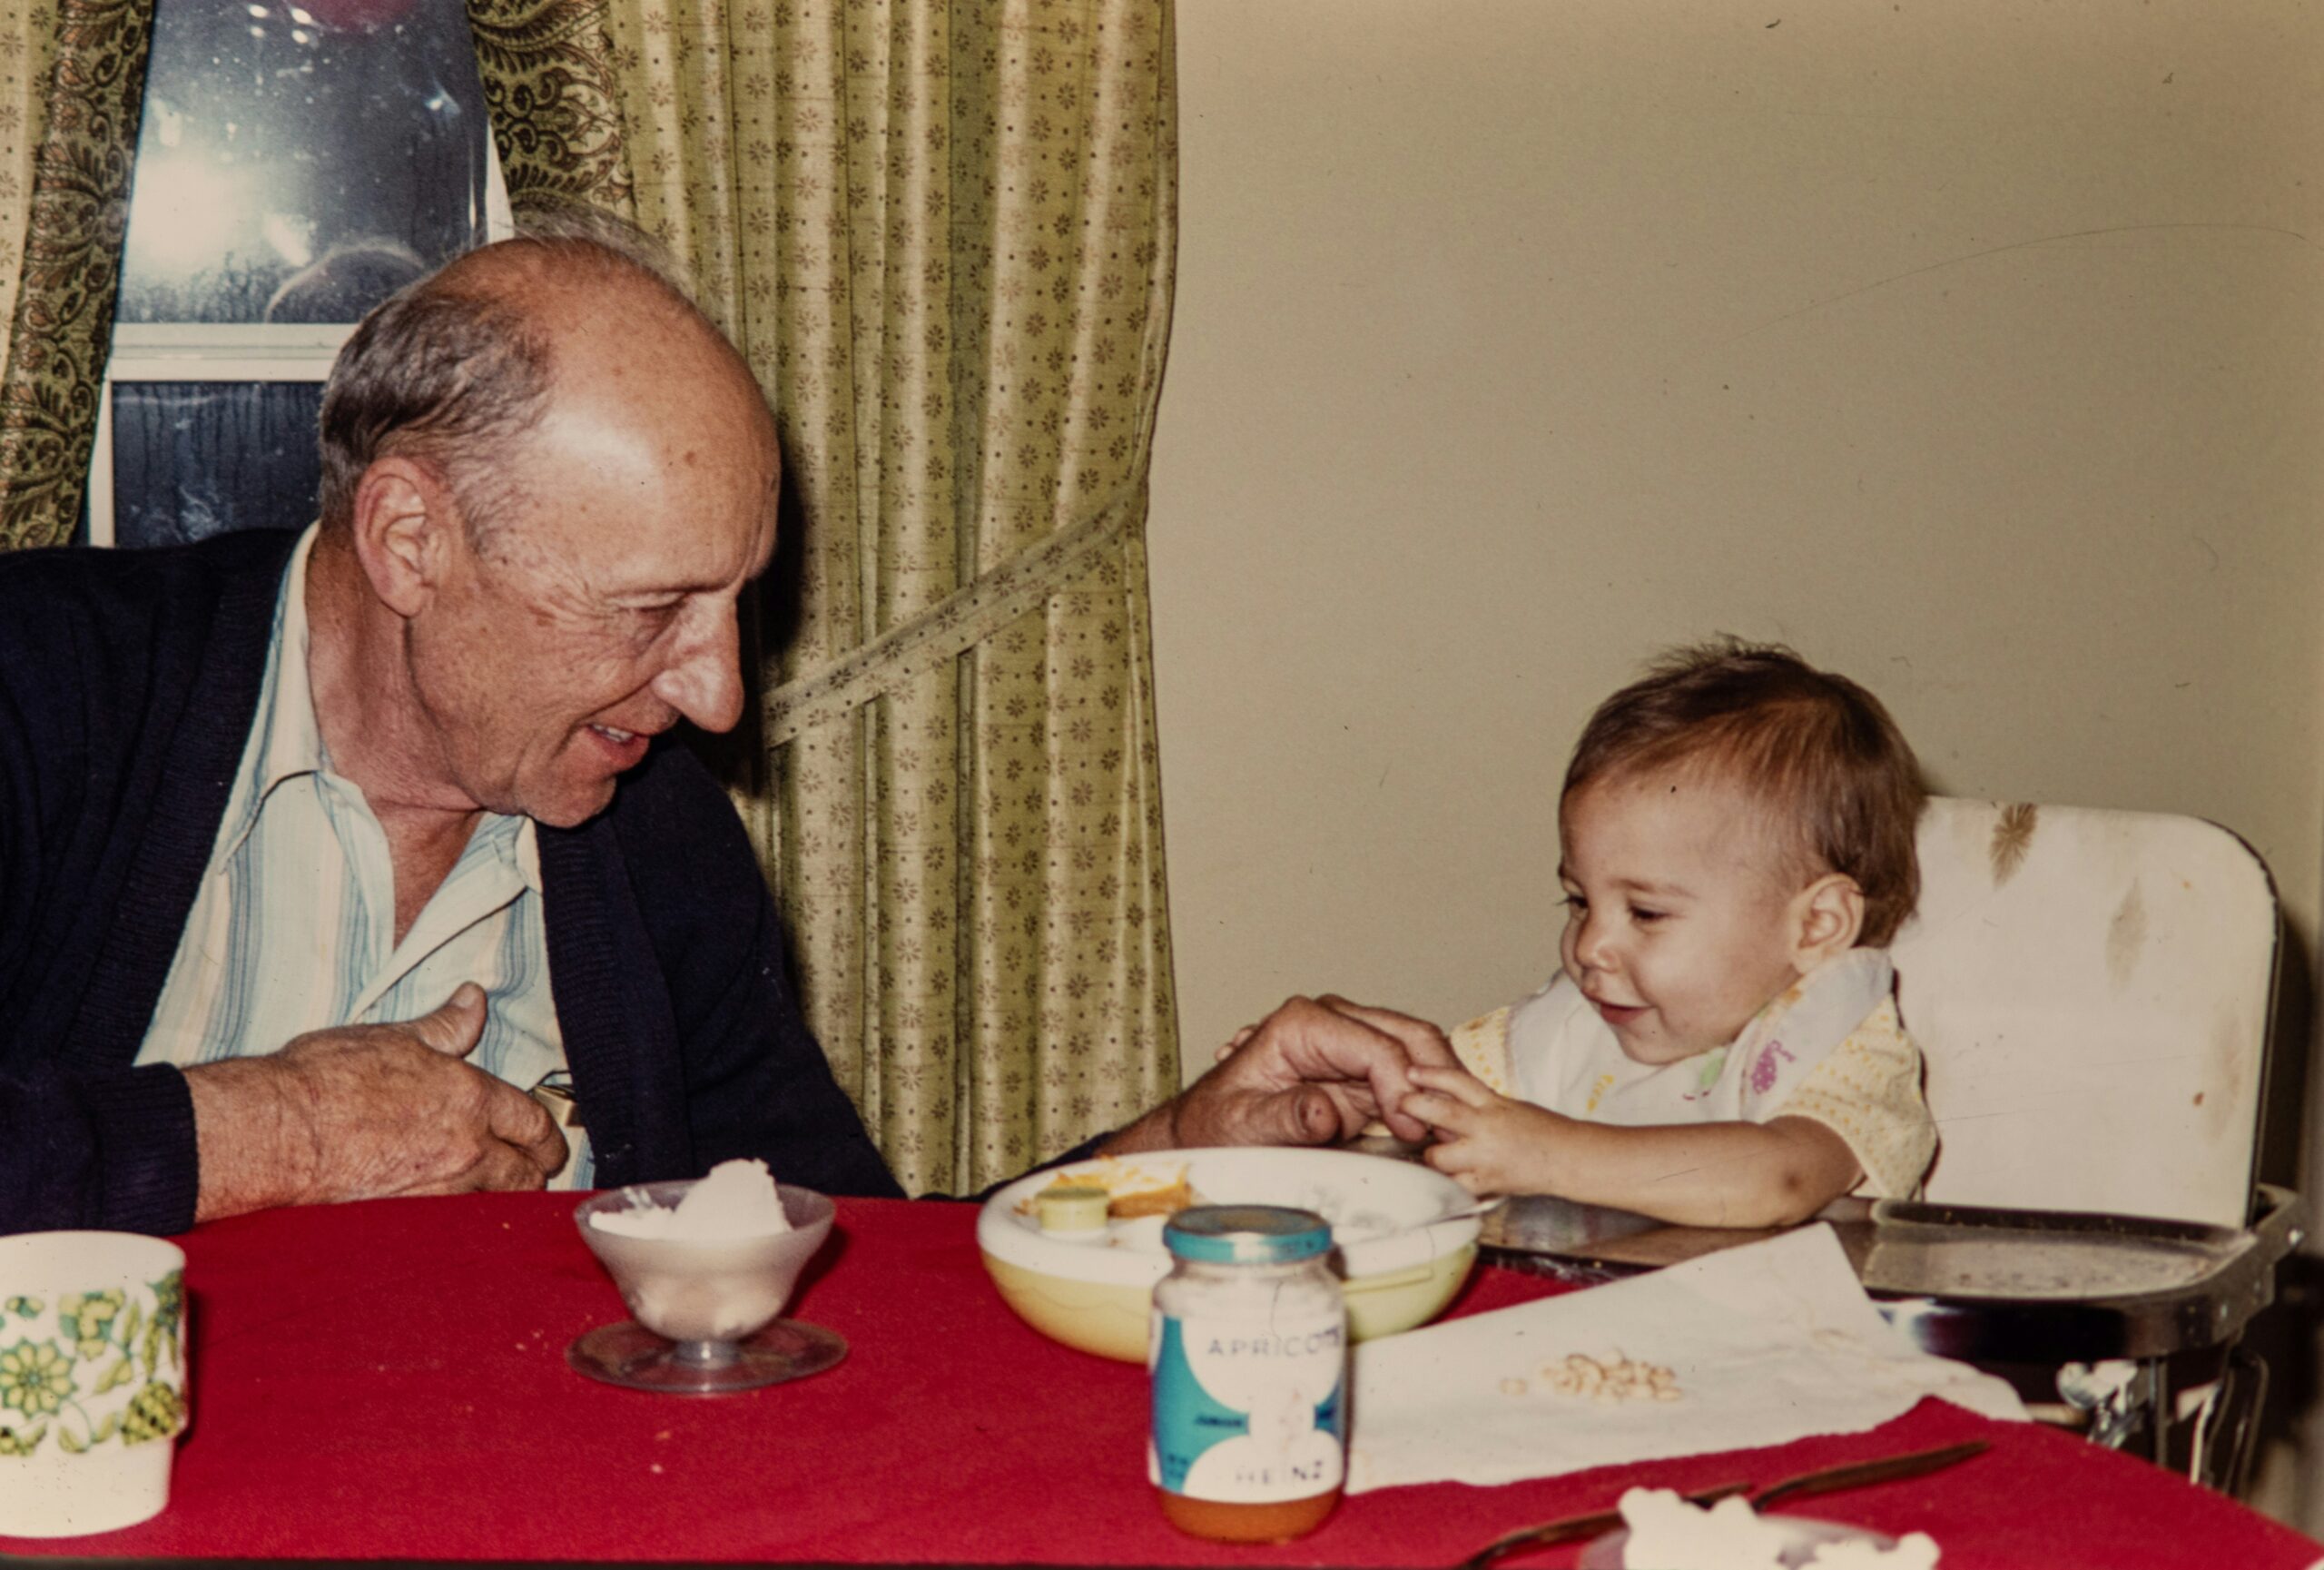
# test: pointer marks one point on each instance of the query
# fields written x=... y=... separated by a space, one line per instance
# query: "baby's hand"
x=1234 y=1041
x=1486 y=1142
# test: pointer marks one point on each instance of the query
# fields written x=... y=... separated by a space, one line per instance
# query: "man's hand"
x=366 y=1111
x=1314 y=1071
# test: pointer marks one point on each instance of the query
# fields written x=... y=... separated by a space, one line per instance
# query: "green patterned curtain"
x=72 y=86
x=942 y=237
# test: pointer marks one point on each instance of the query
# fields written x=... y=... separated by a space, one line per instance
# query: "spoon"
x=1484 y=1206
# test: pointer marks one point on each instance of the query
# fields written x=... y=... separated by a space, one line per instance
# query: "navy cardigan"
x=128 y=684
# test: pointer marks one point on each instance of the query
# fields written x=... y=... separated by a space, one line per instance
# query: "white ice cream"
x=737 y=1200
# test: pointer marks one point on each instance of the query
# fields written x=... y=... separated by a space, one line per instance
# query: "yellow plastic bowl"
x=1399 y=1255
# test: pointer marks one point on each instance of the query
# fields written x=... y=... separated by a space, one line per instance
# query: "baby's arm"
x=1733 y=1174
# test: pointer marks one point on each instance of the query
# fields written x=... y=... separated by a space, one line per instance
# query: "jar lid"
x=1247 y=1234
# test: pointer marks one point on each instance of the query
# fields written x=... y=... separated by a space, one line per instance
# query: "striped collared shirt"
x=294 y=929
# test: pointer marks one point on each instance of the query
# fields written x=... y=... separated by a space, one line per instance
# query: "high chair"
x=2092 y=990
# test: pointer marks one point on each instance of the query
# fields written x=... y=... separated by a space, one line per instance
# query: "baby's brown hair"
x=1818 y=752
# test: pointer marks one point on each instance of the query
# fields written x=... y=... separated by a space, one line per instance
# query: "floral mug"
x=92 y=1379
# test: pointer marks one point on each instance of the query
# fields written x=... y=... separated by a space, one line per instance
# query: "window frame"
x=266 y=352
x=156 y=351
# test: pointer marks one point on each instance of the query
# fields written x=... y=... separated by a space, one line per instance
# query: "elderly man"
x=317 y=855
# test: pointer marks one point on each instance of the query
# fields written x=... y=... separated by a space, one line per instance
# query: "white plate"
x=1386 y=1215
x=1802 y=1536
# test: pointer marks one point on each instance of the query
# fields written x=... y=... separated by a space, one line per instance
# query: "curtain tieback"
x=951 y=626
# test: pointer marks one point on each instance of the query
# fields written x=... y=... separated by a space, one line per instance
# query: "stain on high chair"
x=2230 y=1066
x=2013 y=837
x=2126 y=937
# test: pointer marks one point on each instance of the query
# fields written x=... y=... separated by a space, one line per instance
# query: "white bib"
x=1564 y=1056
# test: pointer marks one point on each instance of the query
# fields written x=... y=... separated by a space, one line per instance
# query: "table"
x=387 y=1381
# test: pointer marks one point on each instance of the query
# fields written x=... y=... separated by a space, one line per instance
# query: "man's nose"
x=703 y=680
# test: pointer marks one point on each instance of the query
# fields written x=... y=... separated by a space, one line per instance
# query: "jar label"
x=1248 y=1411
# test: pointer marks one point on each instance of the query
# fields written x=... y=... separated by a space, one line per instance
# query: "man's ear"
x=1826 y=916
x=405 y=526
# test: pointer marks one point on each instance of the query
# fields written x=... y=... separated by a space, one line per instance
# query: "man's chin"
x=572 y=807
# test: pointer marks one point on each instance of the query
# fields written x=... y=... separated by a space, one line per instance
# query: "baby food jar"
x=1248 y=1354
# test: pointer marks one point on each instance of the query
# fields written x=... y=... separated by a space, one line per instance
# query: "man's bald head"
x=454 y=370
x=550 y=481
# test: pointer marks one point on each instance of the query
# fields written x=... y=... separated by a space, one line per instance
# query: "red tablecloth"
x=388 y=1380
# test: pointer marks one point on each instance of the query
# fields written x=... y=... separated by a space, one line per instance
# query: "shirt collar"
x=287 y=741
x=516 y=844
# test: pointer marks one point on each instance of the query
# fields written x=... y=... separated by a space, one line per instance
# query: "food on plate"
x=738 y=1198
x=1913 y=1551
x=1131 y=1190
x=1666 y=1529
x=1164 y=1201
x=1072 y=1211
x=1136 y=1192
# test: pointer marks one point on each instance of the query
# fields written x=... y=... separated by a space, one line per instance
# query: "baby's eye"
x=1645 y=917
x=1575 y=904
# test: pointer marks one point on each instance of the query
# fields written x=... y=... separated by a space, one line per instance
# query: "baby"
x=1721 y=1047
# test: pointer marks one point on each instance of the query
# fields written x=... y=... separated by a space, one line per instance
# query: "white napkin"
x=1764 y=1343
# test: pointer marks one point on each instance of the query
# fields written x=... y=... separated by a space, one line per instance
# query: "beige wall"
x=1972 y=347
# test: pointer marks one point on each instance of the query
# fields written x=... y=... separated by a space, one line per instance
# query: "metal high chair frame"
x=2093 y=991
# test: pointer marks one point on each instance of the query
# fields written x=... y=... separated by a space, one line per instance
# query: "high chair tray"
x=1968 y=1282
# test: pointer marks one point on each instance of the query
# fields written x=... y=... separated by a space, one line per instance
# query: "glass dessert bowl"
x=706 y=1266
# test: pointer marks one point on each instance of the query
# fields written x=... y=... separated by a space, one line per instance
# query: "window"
x=296 y=165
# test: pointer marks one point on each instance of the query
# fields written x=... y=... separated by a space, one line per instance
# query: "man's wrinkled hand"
x=1315 y=1071
x=368 y=1111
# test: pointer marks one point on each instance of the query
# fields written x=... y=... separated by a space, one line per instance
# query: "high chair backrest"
x=2092 y=990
